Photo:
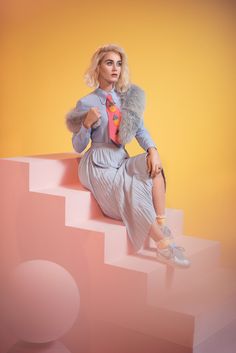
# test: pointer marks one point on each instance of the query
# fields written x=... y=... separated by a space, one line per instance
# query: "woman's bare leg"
x=158 y=194
x=155 y=232
x=164 y=243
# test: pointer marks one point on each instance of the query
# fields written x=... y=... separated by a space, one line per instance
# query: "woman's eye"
x=110 y=63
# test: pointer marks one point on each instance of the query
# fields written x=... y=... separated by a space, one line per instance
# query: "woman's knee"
x=137 y=165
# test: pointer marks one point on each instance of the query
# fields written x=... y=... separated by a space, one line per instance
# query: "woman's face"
x=110 y=68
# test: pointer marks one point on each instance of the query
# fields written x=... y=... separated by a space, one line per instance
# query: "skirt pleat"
x=122 y=187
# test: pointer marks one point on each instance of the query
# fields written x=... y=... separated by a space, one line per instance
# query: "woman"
x=131 y=189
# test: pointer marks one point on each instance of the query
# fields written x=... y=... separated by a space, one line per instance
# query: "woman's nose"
x=115 y=66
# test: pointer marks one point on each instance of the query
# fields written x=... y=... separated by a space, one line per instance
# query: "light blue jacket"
x=97 y=98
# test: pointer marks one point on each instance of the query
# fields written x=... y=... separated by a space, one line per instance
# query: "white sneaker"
x=173 y=255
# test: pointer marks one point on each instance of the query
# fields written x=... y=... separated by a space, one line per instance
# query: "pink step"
x=57 y=174
x=210 y=300
x=128 y=340
x=50 y=170
x=60 y=221
x=204 y=254
x=79 y=202
x=187 y=299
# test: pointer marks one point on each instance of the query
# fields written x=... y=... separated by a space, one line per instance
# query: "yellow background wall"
x=181 y=53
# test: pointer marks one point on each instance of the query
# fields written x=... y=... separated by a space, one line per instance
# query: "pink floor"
x=129 y=302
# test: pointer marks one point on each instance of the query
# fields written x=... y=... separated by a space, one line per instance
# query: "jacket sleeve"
x=143 y=137
x=81 y=139
x=74 y=120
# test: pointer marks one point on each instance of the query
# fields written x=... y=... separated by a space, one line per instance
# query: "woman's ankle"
x=156 y=238
x=163 y=243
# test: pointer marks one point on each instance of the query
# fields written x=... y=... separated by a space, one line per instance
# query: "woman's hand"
x=92 y=116
x=153 y=162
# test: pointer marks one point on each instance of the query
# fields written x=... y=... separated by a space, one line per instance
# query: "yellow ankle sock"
x=161 y=219
x=163 y=243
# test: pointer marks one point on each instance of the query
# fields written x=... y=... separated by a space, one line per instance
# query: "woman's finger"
x=148 y=165
x=158 y=169
x=153 y=170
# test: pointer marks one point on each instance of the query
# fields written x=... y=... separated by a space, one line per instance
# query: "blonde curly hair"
x=91 y=74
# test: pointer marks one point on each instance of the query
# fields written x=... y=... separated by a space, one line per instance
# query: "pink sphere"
x=42 y=301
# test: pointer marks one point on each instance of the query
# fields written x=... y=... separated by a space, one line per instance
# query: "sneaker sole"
x=172 y=264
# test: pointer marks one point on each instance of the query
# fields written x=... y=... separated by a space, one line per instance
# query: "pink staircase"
x=47 y=214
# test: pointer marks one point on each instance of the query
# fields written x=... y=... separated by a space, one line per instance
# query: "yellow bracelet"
x=161 y=216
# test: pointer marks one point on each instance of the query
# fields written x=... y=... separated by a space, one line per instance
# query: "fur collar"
x=132 y=109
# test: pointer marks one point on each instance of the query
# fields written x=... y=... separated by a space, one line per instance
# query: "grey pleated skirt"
x=122 y=187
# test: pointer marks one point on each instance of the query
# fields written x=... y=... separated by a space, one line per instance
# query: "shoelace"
x=174 y=246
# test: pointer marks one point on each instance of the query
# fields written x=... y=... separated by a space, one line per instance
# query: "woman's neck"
x=106 y=86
